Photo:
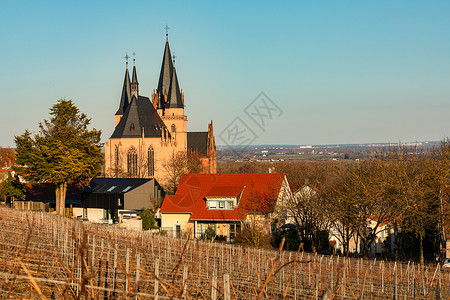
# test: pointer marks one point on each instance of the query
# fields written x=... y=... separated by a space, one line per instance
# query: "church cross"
x=167 y=29
x=126 y=57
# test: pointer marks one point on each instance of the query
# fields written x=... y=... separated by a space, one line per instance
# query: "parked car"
x=446 y=263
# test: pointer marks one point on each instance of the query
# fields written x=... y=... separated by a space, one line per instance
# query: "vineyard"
x=44 y=256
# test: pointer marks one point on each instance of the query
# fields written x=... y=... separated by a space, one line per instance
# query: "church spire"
x=134 y=82
x=174 y=98
x=126 y=92
x=165 y=76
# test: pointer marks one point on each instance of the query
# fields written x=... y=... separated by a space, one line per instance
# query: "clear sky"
x=340 y=71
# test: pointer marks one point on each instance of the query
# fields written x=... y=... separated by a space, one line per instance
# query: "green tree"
x=63 y=150
x=12 y=188
x=148 y=219
x=210 y=232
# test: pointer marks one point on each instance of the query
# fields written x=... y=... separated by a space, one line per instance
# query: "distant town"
x=277 y=153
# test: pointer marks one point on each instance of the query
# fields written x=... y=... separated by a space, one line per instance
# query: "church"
x=151 y=133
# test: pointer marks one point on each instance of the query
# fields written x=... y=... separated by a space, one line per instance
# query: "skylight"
x=111 y=188
x=127 y=188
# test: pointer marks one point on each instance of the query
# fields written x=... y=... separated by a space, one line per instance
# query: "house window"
x=220 y=204
x=132 y=127
x=173 y=128
x=151 y=161
x=132 y=162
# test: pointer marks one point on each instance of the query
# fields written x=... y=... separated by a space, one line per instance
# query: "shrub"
x=252 y=236
x=290 y=233
x=210 y=233
x=148 y=219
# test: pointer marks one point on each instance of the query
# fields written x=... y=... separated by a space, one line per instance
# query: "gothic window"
x=116 y=157
x=132 y=127
x=173 y=128
x=132 y=162
x=116 y=160
x=151 y=161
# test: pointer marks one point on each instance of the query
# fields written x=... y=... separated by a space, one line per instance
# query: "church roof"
x=140 y=115
x=174 y=97
x=165 y=75
x=126 y=92
x=198 y=141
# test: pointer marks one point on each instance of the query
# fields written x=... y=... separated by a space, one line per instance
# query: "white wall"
x=77 y=211
x=134 y=224
x=95 y=214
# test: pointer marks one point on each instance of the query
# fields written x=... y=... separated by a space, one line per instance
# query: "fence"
x=29 y=205
x=48 y=256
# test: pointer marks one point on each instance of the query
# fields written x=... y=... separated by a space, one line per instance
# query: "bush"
x=290 y=233
x=252 y=236
x=148 y=219
x=210 y=233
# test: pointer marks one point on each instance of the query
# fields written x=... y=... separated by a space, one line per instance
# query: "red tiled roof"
x=224 y=191
x=259 y=194
x=6 y=170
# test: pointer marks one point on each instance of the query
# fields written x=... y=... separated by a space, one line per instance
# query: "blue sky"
x=340 y=71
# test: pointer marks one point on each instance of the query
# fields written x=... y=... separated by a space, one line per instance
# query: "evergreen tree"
x=63 y=150
x=12 y=188
x=148 y=219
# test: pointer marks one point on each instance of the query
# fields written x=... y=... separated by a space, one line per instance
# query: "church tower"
x=134 y=83
x=149 y=131
x=168 y=99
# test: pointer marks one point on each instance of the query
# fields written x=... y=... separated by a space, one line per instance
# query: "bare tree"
x=259 y=212
x=175 y=167
x=307 y=210
x=340 y=206
x=194 y=164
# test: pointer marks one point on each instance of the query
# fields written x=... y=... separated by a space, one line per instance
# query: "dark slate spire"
x=174 y=97
x=165 y=76
x=134 y=80
x=125 y=99
x=134 y=83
